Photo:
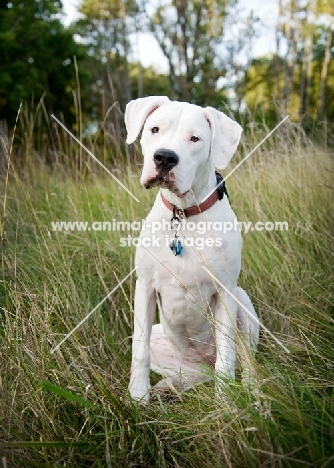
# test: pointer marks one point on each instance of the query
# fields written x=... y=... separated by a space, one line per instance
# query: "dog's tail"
x=248 y=327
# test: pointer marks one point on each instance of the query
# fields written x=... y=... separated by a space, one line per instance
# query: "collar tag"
x=175 y=245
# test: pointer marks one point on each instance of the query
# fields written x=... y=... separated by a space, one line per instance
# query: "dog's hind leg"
x=180 y=372
x=247 y=337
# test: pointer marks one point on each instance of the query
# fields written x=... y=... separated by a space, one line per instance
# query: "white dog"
x=200 y=323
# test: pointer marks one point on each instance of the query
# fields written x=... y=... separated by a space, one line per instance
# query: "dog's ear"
x=225 y=136
x=137 y=111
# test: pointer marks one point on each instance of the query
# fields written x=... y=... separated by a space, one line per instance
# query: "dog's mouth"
x=164 y=182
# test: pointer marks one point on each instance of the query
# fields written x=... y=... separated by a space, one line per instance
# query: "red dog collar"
x=196 y=209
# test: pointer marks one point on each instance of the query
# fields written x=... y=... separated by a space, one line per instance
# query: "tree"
x=324 y=69
x=205 y=44
x=303 y=31
x=326 y=10
x=36 y=53
x=259 y=90
x=106 y=27
x=307 y=36
x=192 y=36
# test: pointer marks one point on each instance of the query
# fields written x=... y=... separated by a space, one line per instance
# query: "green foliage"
x=260 y=90
x=36 y=53
x=207 y=45
x=260 y=87
x=105 y=26
x=298 y=78
x=152 y=83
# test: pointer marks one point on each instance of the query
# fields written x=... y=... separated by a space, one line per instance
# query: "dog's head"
x=179 y=140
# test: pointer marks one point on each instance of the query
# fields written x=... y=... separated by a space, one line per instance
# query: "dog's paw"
x=139 y=395
x=140 y=400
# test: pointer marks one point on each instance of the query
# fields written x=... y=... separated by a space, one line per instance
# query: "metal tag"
x=176 y=246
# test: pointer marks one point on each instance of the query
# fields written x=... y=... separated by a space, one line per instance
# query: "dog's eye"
x=194 y=138
x=155 y=130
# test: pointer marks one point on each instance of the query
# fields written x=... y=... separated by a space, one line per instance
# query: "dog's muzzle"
x=165 y=160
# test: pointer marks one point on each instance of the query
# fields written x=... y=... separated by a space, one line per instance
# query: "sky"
x=149 y=51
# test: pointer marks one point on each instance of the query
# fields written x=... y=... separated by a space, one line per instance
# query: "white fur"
x=199 y=322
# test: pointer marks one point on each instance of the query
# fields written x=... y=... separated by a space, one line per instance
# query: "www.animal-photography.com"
x=166 y=231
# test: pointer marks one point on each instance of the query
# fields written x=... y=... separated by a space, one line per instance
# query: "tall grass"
x=71 y=408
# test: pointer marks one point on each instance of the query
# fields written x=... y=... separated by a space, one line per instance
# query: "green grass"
x=71 y=409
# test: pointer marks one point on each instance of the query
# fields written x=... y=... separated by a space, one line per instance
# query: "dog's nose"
x=165 y=159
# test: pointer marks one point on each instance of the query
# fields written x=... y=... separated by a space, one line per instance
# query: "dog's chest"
x=185 y=301
x=184 y=290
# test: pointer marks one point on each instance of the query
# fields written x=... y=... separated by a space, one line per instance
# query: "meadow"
x=71 y=408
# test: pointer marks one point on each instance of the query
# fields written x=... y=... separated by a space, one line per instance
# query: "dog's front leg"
x=225 y=329
x=145 y=304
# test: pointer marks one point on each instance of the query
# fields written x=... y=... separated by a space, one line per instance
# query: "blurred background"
x=78 y=58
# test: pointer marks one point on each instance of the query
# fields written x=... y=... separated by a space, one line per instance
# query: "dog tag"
x=176 y=246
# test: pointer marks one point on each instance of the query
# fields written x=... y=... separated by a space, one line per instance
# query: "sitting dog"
x=200 y=322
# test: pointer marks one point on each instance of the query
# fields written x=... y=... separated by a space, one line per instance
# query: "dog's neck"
x=200 y=188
